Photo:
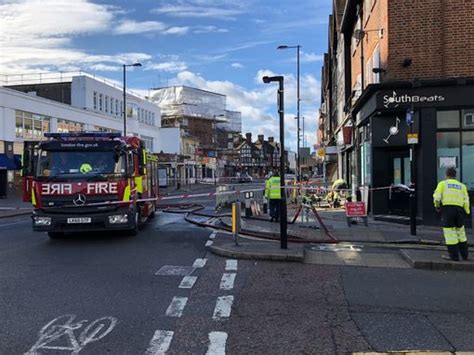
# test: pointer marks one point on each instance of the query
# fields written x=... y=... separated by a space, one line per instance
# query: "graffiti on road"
x=65 y=334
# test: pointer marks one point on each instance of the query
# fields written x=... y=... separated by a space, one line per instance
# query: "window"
x=65 y=126
x=116 y=107
x=149 y=143
x=448 y=119
x=468 y=119
x=448 y=152
x=376 y=63
x=101 y=98
x=30 y=126
x=106 y=104
x=467 y=159
x=95 y=100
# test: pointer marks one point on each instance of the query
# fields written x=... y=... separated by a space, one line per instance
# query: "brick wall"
x=438 y=35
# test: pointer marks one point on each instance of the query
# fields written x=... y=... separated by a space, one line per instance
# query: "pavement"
x=422 y=251
x=14 y=206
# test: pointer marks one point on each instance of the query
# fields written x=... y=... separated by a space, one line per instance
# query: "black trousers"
x=275 y=209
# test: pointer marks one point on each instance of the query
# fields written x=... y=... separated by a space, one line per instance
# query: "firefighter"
x=273 y=194
x=334 y=197
x=452 y=200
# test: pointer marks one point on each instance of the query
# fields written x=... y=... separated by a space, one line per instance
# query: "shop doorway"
x=399 y=198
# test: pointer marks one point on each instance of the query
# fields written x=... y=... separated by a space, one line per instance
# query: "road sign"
x=355 y=209
x=412 y=138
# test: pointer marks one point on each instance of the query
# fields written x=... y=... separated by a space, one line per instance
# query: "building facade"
x=408 y=105
x=31 y=106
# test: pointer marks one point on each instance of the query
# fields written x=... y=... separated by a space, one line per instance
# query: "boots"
x=464 y=250
x=453 y=251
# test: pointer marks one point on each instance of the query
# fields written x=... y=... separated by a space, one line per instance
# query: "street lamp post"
x=281 y=111
x=125 y=94
x=297 y=47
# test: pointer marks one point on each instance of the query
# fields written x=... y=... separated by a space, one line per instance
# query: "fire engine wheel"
x=136 y=224
x=55 y=235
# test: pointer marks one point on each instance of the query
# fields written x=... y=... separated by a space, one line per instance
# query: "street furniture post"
x=236 y=221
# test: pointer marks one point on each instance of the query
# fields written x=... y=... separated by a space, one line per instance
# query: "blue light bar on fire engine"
x=83 y=134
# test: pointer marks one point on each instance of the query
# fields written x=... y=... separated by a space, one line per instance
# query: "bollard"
x=248 y=204
x=236 y=220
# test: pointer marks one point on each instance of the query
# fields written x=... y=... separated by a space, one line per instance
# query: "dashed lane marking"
x=231 y=265
x=217 y=342
x=227 y=281
x=209 y=243
x=176 y=307
x=213 y=235
x=188 y=282
x=199 y=263
x=223 y=307
x=174 y=270
x=160 y=343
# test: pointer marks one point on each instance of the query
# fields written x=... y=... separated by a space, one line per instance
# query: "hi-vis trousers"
x=453 y=225
x=454 y=233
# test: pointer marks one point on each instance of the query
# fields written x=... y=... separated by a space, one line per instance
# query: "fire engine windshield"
x=74 y=164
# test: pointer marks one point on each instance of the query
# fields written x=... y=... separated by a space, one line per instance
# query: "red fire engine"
x=89 y=181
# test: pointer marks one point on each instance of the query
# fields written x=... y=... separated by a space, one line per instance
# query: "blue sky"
x=218 y=45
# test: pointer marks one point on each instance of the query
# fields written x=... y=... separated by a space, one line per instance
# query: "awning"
x=10 y=164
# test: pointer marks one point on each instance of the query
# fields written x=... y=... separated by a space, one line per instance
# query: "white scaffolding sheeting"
x=182 y=101
x=233 y=122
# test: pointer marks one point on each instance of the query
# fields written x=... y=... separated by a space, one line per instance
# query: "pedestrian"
x=452 y=200
x=273 y=194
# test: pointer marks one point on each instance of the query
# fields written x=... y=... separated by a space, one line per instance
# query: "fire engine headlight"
x=42 y=221
x=118 y=218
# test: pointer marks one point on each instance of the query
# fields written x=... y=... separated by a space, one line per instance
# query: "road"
x=101 y=294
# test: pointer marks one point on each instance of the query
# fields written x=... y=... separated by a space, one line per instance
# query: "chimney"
x=248 y=138
x=270 y=139
x=260 y=138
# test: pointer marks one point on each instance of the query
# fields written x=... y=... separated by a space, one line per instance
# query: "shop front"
x=437 y=118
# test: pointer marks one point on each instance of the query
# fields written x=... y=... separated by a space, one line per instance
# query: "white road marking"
x=66 y=326
x=231 y=265
x=175 y=270
x=188 y=282
x=227 y=281
x=223 y=307
x=199 y=263
x=176 y=307
x=160 y=343
x=217 y=342
x=213 y=235
x=209 y=243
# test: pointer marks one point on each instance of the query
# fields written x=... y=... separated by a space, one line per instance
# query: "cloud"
x=209 y=29
x=311 y=57
x=198 y=10
x=134 y=27
x=237 y=65
x=177 y=30
x=258 y=105
x=171 y=67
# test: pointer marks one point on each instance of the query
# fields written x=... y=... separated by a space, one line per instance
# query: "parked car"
x=245 y=178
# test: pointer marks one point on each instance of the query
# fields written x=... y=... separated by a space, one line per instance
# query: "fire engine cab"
x=89 y=181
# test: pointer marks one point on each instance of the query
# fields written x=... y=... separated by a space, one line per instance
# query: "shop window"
x=448 y=119
x=468 y=119
x=448 y=152
x=467 y=159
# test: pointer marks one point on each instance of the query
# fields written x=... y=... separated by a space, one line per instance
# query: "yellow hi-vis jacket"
x=451 y=192
x=272 y=188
